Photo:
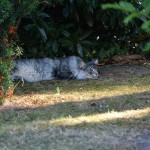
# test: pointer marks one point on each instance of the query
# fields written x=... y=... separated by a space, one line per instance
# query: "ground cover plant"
x=107 y=113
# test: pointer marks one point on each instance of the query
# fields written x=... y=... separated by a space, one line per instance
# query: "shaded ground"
x=111 y=113
x=123 y=72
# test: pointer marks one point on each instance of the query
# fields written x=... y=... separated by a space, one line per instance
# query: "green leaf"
x=65 y=33
x=124 y=6
x=146 y=26
x=43 y=33
x=88 y=18
x=58 y=90
x=127 y=6
x=130 y=18
x=147 y=47
x=29 y=26
x=89 y=43
x=77 y=17
x=79 y=49
x=42 y=14
x=146 y=5
x=66 y=12
x=85 y=35
x=111 y=6
x=55 y=46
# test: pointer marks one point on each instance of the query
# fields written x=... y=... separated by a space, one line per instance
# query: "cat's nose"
x=96 y=74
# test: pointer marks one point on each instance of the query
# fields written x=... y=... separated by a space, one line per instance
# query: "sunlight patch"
x=100 y=118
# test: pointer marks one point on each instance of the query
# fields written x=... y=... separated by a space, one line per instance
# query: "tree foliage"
x=133 y=12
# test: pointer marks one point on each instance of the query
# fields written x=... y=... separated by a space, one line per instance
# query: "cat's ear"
x=95 y=61
x=82 y=65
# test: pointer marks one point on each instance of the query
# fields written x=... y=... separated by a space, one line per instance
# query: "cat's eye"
x=92 y=69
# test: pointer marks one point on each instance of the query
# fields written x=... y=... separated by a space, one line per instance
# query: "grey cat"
x=73 y=67
x=34 y=70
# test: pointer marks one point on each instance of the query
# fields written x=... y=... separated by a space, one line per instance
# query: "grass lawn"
x=76 y=115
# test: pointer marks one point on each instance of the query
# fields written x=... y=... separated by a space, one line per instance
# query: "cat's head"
x=90 y=70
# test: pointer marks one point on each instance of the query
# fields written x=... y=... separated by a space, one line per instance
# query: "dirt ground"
x=123 y=72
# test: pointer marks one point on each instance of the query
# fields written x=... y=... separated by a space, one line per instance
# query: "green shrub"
x=11 y=13
x=80 y=27
x=133 y=12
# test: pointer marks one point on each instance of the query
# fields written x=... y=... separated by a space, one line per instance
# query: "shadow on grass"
x=18 y=115
x=74 y=85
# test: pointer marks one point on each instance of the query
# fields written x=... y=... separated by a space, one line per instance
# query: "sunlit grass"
x=101 y=118
x=45 y=93
x=128 y=117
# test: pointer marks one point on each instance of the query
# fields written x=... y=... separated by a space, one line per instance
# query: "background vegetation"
x=81 y=27
x=51 y=28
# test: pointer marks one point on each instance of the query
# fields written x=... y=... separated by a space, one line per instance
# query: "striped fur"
x=34 y=70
